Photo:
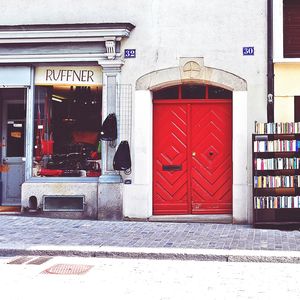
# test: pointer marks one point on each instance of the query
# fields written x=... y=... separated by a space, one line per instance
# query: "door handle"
x=4 y=161
x=172 y=167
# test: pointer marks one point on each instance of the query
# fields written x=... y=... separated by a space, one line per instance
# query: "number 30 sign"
x=248 y=50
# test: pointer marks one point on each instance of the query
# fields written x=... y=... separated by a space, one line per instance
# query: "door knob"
x=4 y=160
x=193 y=153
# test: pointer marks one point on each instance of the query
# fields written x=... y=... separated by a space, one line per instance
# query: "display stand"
x=276 y=176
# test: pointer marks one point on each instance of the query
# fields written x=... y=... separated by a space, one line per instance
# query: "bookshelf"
x=276 y=175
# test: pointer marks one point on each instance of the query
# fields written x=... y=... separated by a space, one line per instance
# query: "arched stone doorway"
x=138 y=196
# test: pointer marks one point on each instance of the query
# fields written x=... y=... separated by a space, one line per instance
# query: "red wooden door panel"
x=196 y=139
x=170 y=188
x=211 y=151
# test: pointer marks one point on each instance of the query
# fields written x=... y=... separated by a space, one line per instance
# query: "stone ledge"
x=157 y=253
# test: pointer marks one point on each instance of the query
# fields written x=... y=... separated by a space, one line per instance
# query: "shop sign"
x=63 y=75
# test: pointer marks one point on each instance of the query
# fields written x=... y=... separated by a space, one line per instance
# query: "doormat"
x=10 y=208
x=68 y=269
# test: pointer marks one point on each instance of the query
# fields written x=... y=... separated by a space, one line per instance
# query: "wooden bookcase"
x=276 y=180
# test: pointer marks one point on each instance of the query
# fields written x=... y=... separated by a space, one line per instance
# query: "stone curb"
x=157 y=253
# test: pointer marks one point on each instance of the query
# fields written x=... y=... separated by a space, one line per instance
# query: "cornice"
x=64 y=32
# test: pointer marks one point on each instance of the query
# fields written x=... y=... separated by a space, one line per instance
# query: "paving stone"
x=19 y=230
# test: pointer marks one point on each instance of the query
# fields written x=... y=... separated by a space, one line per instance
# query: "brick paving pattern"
x=30 y=231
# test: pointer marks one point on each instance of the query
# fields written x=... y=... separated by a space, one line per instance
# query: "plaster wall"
x=165 y=32
x=286 y=79
x=284 y=109
x=286 y=87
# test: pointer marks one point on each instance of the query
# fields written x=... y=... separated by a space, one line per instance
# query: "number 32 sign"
x=129 y=53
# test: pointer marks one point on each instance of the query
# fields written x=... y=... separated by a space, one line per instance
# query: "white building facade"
x=185 y=79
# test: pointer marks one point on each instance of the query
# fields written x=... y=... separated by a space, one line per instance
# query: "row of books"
x=276 y=181
x=277 y=128
x=280 y=163
x=276 y=146
x=277 y=202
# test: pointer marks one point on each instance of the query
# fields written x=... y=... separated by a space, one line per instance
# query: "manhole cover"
x=67 y=269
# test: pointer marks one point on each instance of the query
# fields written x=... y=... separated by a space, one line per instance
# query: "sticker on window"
x=16 y=134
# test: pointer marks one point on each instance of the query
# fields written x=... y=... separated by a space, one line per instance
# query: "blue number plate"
x=248 y=50
x=129 y=53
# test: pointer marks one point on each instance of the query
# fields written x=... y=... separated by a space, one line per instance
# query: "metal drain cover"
x=68 y=269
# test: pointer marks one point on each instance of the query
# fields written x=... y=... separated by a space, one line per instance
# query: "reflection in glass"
x=67 y=123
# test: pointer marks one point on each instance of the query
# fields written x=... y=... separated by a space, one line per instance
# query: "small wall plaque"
x=248 y=51
x=130 y=53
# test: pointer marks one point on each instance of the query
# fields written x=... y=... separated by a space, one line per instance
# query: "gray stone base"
x=225 y=219
x=110 y=205
x=40 y=189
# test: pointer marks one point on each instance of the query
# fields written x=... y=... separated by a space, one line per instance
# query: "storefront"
x=64 y=80
x=57 y=85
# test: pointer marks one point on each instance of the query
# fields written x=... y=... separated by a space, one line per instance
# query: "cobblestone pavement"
x=149 y=279
x=30 y=231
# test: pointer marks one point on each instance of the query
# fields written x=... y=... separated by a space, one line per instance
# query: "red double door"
x=192 y=163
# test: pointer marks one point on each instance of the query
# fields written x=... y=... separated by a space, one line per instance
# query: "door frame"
x=3 y=127
x=190 y=102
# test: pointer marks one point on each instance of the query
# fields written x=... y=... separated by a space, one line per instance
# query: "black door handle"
x=172 y=167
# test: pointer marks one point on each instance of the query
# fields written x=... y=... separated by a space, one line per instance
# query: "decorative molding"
x=191 y=70
x=110 y=49
x=64 y=33
x=106 y=33
x=51 y=58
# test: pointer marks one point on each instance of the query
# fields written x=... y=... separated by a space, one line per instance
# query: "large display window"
x=67 y=120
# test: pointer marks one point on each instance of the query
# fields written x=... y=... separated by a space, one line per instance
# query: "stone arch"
x=191 y=70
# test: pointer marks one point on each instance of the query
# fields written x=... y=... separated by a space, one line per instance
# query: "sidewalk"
x=22 y=235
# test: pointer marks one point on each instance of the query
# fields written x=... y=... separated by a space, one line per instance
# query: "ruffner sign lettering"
x=68 y=75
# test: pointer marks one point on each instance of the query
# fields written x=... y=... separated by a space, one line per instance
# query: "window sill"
x=63 y=179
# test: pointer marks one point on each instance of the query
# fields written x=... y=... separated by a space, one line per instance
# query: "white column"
x=241 y=201
x=111 y=78
x=29 y=128
x=138 y=196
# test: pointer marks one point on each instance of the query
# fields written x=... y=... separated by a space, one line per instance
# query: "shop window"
x=66 y=131
x=15 y=127
x=291 y=28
